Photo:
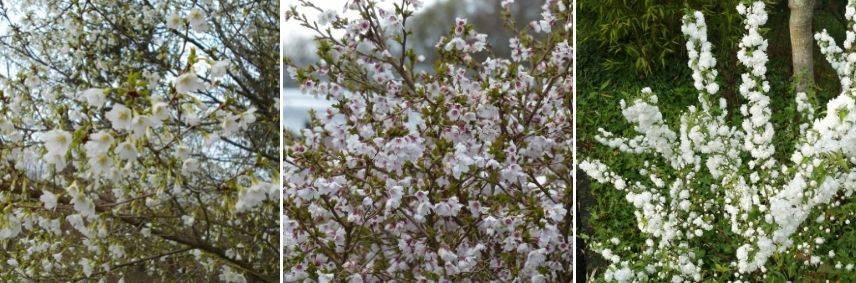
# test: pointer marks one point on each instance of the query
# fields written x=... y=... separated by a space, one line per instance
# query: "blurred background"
x=433 y=20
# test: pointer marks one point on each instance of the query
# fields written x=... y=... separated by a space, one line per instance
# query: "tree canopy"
x=139 y=136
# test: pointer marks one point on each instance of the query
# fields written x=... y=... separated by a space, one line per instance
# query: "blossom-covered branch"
x=463 y=172
x=139 y=134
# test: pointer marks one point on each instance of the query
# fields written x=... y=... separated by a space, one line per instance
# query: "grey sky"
x=292 y=29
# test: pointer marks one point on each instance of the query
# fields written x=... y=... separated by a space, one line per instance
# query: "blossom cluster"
x=710 y=178
x=458 y=174
x=127 y=142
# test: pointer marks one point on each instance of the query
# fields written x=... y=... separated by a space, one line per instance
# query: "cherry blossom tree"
x=458 y=173
x=139 y=135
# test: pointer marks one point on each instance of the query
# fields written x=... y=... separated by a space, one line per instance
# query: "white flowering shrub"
x=709 y=190
x=460 y=173
x=139 y=139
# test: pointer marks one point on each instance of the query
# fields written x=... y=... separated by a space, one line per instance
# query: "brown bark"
x=802 y=42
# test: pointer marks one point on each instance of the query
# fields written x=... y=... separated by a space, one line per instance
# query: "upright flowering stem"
x=767 y=202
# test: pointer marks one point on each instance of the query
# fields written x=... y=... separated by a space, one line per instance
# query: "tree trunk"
x=802 y=42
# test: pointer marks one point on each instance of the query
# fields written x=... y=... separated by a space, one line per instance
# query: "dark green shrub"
x=646 y=34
